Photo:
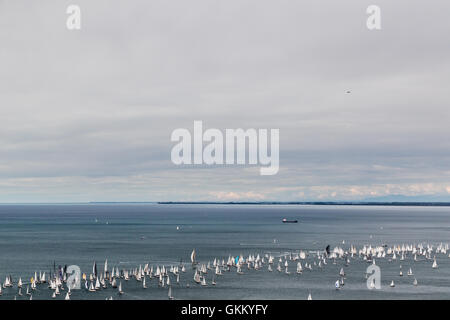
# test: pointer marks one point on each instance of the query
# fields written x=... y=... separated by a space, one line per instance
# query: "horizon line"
x=343 y=202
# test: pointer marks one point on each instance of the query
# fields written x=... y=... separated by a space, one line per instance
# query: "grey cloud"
x=87 y=115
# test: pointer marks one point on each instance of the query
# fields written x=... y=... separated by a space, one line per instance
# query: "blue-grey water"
x=34 y=237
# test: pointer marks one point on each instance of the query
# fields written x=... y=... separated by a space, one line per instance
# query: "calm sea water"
x=33 y=237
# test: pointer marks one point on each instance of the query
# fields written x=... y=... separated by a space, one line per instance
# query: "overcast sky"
x=87 y=115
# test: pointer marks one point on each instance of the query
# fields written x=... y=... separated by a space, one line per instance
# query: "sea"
x=40 y=237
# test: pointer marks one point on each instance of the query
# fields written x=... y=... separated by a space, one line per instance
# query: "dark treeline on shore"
x=331 y=203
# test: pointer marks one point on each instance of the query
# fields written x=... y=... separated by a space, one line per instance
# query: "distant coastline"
x=322 y=203
x=281 y=203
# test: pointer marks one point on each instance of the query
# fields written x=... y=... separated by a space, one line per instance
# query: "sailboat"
x=170 y=293
x=19 y=284
x=197 y=277
x=279 y=268
x=434 y=266
x=204 y=282
x=193 y=257
x=213 y=281
x=309 y=297
x=7 y=282
x=392 y=285
x=106 y=266
x=97 y=284
x=239 y=271
x=410 y=273
x=120 y=288
x=67 y=296
x=337 y=285
x=20 y=292
x=218 y=272
x=286 y=271
x=53 y=295
x=91 y=287
x=143 y=284
x=415 y=282
x=94 y=269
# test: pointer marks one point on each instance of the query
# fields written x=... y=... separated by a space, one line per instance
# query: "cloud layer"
x=87 y=115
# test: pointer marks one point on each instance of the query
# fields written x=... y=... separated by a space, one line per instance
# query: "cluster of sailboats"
x=61 y=282
x=415 y=253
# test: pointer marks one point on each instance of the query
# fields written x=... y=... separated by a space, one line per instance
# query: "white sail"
x=196 y=277
x=337 y=284
x=106 y=266
x=218 y=270
x=434 y=266
x=193 y=256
